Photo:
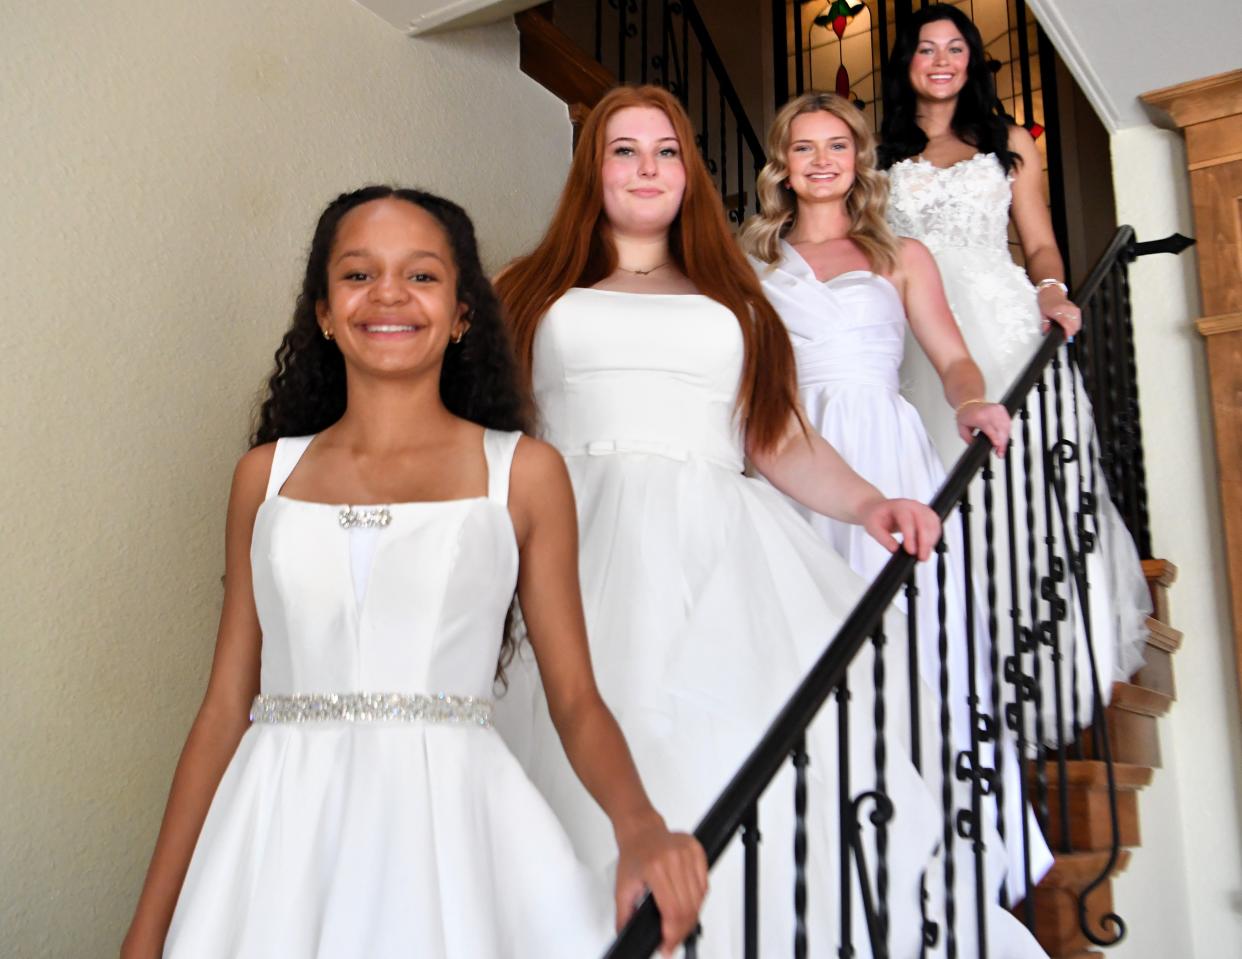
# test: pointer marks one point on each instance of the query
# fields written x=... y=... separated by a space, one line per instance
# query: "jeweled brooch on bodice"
x=349 y=518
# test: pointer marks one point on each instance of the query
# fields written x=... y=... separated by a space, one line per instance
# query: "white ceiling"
x=1118 y=49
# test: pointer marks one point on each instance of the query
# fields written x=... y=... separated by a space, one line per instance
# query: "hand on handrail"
x=673 y=867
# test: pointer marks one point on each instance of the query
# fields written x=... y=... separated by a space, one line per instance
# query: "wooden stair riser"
x=1133 y=738
x=1090 y=820
x=1156 y=672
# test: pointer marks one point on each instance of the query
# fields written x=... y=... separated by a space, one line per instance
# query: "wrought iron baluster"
x=704 y=137
x=1016 y=676
x=979 y=776
x=1032 y=577
x=621 y=36
x=1109 y=398
x=948 y=807
x=799 y=82
x=845 y=814
x=666 y=26
x=1109 y=920
x=750 y=883
x=880 y=755
x=912 y=670
x=643 y=42
x=741 y=185
x=800 y=761
x=998 y=739
x=724 y=155
x=685 y=55
x=599 y=31
x=1057 y=609
x=1086 y=537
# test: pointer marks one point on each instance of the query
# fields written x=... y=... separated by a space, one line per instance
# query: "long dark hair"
x=479 y=380
x=979 y=119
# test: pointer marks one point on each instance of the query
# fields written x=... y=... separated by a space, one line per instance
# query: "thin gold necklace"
x=644 y=272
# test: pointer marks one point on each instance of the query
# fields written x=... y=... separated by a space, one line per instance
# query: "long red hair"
x=577 y=251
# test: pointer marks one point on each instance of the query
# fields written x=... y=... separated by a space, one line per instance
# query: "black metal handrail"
x=734 y=809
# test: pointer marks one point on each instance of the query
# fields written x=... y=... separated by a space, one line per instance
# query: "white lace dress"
x=962 y=213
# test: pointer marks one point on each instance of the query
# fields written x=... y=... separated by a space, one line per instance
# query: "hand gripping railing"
x=1032 y=674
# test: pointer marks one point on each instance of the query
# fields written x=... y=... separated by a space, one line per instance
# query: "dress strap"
x=289 y=450
x=499 y=447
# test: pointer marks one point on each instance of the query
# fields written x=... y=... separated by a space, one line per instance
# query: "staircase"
x=1131 y=726
x=1071 y=909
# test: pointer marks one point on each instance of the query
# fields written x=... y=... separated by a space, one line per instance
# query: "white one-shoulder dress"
x=371 y=809
x=707 y=599
x=849 y=335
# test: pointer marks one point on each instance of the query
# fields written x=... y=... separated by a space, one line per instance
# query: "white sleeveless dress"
x=371 y=809
x=848 y=335
x=962 y=214
x=707 y=598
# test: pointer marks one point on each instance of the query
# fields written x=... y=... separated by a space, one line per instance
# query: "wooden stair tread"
x=1092 y=773
x=1163 y=636
x=1160 y=571
x=1137 y=699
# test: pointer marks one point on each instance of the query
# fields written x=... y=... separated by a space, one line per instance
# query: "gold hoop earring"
x=457 y=339
x=327 y=333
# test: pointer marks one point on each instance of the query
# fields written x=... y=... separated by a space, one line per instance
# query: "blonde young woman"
x=848 y=290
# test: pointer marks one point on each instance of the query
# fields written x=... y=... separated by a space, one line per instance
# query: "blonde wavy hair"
x=865 y=202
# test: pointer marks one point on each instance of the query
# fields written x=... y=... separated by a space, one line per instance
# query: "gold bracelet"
x=965 y=403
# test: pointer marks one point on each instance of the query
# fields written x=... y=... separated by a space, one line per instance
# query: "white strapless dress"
x=707 y=599
x=962 y=214
x=395 y=825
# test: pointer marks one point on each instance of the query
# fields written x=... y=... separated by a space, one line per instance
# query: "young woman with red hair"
x=657 y=369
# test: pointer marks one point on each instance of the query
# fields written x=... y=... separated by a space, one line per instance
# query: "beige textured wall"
x=161 y=168
x=1182 y=894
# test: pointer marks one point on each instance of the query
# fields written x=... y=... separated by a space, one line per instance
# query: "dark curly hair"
x=979 y=118
x=479 y=380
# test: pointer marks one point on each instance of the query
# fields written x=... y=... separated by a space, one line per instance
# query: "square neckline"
x=486 y=496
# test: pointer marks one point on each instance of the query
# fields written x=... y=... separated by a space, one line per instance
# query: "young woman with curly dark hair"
x=363 y=803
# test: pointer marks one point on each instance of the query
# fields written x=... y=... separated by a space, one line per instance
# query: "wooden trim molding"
x=1199 y=100
x=1209 y=112
x=550 y=57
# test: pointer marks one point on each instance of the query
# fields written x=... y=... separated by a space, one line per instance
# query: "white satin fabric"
x=707 y=598
x=384 y=839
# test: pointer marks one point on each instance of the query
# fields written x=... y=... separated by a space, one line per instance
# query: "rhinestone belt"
x=372 y=708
